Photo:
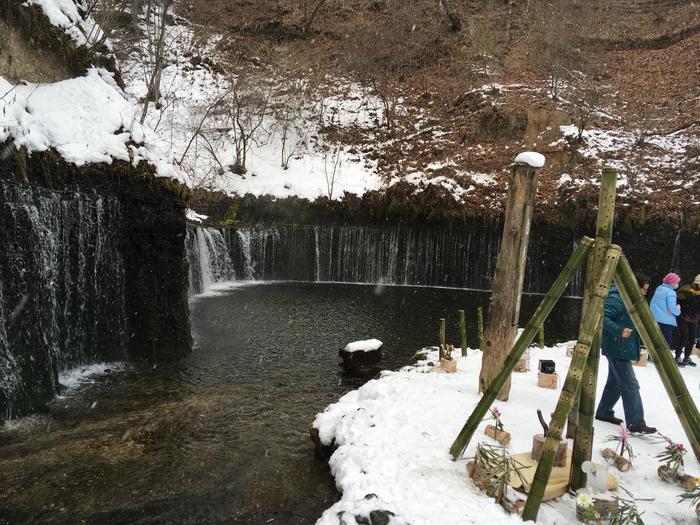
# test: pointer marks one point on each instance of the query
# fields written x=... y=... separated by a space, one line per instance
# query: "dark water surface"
x=222 y=437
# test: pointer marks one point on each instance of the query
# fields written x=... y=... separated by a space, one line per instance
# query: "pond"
x=222 y=436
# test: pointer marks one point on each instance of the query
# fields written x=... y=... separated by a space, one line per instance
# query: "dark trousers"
x=688 y=334
x=667 y=330
x=622 y=383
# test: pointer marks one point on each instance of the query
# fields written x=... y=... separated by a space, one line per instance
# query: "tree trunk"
x=504 y=309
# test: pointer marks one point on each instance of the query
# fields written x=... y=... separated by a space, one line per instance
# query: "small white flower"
x=584 y=500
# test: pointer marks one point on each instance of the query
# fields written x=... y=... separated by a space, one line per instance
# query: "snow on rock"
x=393 y=435
x=75 y=377
x=364 y=346
x=71 y=16
x=193 y=216
x=86 y=119
x=531 y=158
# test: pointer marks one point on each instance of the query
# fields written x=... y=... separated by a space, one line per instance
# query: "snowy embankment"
x=393 y=434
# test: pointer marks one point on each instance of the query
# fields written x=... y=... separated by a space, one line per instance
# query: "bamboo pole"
x=573 y=379
x=581 y=423
x=480 y=327
x=541 y=336
x=655 y=342
x=442 y=337
x=463 y=333
x=543 y=310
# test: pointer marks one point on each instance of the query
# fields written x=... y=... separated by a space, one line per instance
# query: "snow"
x=193 y=216
x=86 y=119
x=364 y=346
x=393 y=435
x=66 y=14
x=531 y=158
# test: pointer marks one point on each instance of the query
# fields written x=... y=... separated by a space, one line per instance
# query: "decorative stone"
x=538 y=445
x=548 y=380
x=501 y=436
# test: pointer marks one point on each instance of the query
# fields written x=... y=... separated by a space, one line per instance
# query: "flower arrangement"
x=626 y=512
x=496 y=417
x=672 y=455
x=585 y=508
x=624 y=448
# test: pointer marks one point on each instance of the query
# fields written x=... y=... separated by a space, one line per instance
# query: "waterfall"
x=62 y=301
x=208 y=258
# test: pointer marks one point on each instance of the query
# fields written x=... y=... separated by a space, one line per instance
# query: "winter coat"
x=617 y=319
x=664 y=305
x=689 y=299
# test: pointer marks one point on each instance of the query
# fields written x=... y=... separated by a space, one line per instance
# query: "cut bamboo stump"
x=548 y=380
x=621 y=464
x=501 y=436
x=523 y=364
x=643 y=359
x=570 y=351
x=538 y=444
x=605 y=508
x=448 y=365
x=361 y=357
x=684 y=480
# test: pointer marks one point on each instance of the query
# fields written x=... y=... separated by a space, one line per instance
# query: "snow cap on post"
x=531 y=158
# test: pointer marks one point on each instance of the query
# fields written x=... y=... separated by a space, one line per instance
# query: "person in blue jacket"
x=664 y=306
x=620 y=345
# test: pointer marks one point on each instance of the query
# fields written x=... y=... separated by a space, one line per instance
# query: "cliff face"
x=92 y=268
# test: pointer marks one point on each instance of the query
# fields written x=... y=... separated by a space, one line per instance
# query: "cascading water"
x=208 y=258
x=391 y=255
x=62 y=289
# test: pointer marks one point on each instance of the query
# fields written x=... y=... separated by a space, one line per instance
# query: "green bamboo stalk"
x=531 y=328
x=655 y=342
x=442 y=336
x=480 y=327
x=463 y=332
x=541 y=336
x=583 y=421
x=570 y=390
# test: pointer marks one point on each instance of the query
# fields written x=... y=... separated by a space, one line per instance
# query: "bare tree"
x=452 y=17
x=331 y=168
x=156 y=20
x=290 y=121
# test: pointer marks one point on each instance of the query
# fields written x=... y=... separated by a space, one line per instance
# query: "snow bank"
x=393 y=435
x=85 y=119
x=71 y=16
x=193 y=216
x=531 y=158
x=363 y=346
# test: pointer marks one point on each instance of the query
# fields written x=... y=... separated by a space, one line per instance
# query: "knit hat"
x=697 y=279
x=671 y=278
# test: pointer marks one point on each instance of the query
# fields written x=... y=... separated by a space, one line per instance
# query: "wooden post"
x=463 y=333
x=588 y=328
x=543 y=310
x=442 y=337
x=480 y=327
x=507 y=287
x=581 y=424
x=541 y=336
x=653 y=339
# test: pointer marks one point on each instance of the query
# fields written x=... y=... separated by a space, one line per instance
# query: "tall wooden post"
x=463 y=332
x=583 y=420
x=441 y=335
x=480 y=327
x=543 y=310
x=507 y=287
x=587 y=330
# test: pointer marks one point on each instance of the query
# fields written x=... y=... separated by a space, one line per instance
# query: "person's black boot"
x=612 y=419
x=688 y=362
x=680 y=363
x=641 y=429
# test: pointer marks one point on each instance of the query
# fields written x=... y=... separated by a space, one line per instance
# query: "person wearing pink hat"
x=664 y=306
x=689 y=299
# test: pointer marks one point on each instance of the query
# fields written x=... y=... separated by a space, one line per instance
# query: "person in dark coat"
x=689 y=300
x=621 y=345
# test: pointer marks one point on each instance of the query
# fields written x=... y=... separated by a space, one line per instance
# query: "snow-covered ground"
x=393 y=436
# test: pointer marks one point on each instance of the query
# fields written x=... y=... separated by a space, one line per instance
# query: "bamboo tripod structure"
x=605 y=264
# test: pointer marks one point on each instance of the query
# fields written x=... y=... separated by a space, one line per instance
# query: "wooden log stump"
x=538 y=444
x=570 y=351
x=667 y=474
x=621 y=464
x=448 y=365
x=480 y=477
x=523 y=364
x=548 y=380
x=604 y=508
x=501 y=436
